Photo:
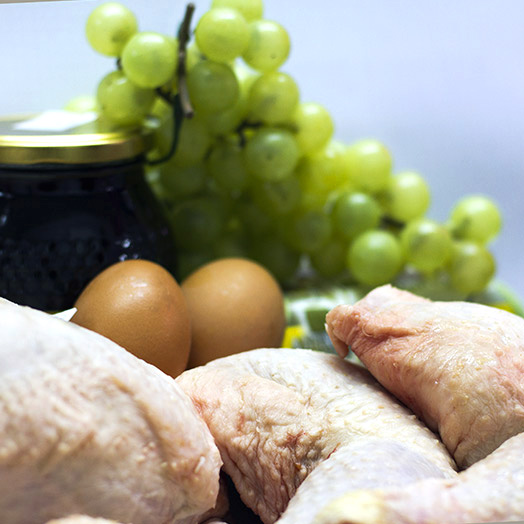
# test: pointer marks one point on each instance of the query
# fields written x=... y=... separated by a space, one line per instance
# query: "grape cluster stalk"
x=257 y=172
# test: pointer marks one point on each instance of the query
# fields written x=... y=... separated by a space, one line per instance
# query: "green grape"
x=308 y=231
x=323 y=173
x=187 y=262
x=353 y=213
x=82 y=104
x=427 y=244
x=193 y=55
x=330 y=260
x=227 y=121
x=222 y=34
x=471 y=267
x=230 y=244
x=435 y=286
x=369 y=163
x=149 y=59
x=212 y=87
x=162 y=109
x=109 y=27
x=246 y=77
x=197 y=222
x=225 y=164
x=271 y=154
x=160 y=129
x=223 y=123
x=314 y=127
x=250 y=9
x=476 y=218
x=180 y=183
x=268 y=46
x=375 y=258
x=273 y=98
x=277 y=257
x=121 y=101
x=255 y=220
x=193 y=144
x=277 y=198
x=152 y=176
x=407 y=197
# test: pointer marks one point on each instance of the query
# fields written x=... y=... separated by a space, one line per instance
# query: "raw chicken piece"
x=81 y=519
x=492 y=490
x=361 y=464
x=87 y=428
x=458 y=365
x=276 y=414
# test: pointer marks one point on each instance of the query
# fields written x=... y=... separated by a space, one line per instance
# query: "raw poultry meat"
x=88 y=428
x=84 y=519
x=492 y=490
x=277 y=414
x=360 y=464
x=81 y=519
x=458 y=365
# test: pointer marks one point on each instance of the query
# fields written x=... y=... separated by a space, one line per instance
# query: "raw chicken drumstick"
x=457 y=365
x=277 y=414
x=88 y=428
x=492 y=490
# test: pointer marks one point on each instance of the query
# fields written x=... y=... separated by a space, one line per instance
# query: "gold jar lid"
x=63 y=137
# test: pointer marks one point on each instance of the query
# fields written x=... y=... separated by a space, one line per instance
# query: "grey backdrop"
x=441 y=82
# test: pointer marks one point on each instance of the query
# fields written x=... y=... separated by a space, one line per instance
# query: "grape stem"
x=180 y=103
x=387 y=221
x=184 y=34
x=183 y=37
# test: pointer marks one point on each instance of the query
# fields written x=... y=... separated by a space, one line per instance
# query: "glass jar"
x=72 y=203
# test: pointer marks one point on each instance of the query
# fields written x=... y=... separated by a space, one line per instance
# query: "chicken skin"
x=459 y=366
x=278 y=415
x=492 y=490
x=88 y=428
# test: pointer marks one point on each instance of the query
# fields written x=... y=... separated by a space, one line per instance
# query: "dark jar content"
x=61 y=224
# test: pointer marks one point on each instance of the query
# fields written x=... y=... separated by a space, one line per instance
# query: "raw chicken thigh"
x=458 y=365
x=81 y=519
x=364 y=463
x=87 y=428
x=492 y=490
x=277 y=414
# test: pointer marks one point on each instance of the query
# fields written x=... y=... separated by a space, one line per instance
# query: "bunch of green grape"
x=257 y=171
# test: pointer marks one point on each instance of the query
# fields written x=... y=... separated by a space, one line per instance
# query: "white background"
x=441 y=82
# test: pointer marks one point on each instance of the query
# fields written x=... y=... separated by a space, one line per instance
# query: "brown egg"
x=141 y=307
x=235 y=305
